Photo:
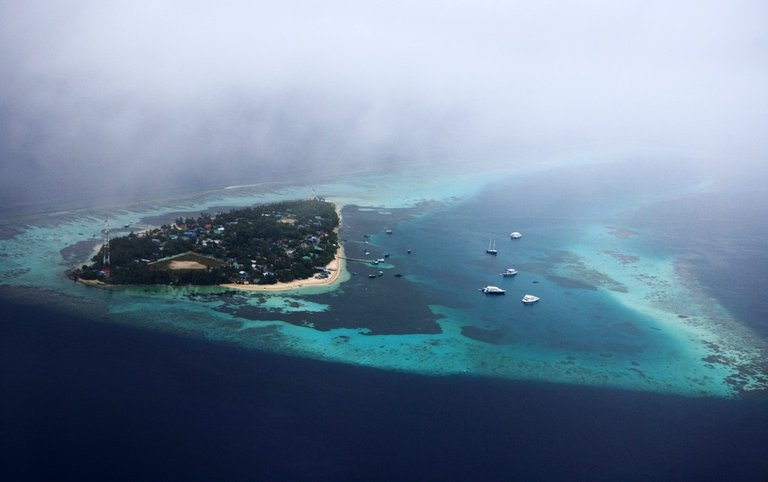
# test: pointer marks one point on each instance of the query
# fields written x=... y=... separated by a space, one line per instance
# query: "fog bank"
x=119 y=96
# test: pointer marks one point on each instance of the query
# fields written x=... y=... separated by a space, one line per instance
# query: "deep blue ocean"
x=89 y=401
x=83 y=399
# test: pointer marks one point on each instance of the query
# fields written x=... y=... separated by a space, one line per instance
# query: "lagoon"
x=624 y=303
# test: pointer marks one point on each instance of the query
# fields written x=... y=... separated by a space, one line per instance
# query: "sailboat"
x=492 y=248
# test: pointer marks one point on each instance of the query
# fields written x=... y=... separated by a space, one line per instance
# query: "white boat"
x=515 y=235
x=492 y=248
x=492 y=290
x=509 y=272
x=530 y=299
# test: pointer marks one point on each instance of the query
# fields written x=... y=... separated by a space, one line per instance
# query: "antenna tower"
x=105 y=261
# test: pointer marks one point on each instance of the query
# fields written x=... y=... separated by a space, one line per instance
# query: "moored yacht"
x=515 y=235
x=530 y=299
x=509 y=272
x=492 y=290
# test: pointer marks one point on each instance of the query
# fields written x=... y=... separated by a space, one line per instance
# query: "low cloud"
x=117 y=96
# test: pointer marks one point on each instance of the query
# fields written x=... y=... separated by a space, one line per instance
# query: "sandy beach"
x=94 y=282
x=336 y=267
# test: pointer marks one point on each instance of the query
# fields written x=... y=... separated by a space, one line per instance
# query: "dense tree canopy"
x=261 y=244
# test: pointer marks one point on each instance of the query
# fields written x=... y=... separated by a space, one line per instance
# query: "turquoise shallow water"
x=621 y=305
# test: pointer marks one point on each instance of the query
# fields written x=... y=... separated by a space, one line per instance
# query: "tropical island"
x=264 y=245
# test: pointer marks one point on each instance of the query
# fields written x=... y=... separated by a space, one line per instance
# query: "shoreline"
x=94 y=282
x=336 y=267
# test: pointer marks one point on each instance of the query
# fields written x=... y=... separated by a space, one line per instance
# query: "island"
x=280 y=244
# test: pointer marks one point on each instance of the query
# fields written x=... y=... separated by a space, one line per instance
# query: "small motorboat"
x=492 y=290
x=530 y=299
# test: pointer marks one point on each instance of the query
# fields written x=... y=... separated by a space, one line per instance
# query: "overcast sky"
x=139 y=93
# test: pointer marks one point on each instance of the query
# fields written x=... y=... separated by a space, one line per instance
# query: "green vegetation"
x=265 y=244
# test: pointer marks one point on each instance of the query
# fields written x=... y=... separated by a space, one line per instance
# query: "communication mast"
x=105 y=262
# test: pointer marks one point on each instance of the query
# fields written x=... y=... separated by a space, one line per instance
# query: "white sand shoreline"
x=336 y=267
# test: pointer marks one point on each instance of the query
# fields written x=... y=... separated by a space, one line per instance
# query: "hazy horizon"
x=129 y=97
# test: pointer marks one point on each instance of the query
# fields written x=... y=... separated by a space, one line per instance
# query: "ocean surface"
x=645 y=358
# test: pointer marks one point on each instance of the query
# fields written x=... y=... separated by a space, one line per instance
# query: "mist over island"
x=142 y=98
x=172 y=309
